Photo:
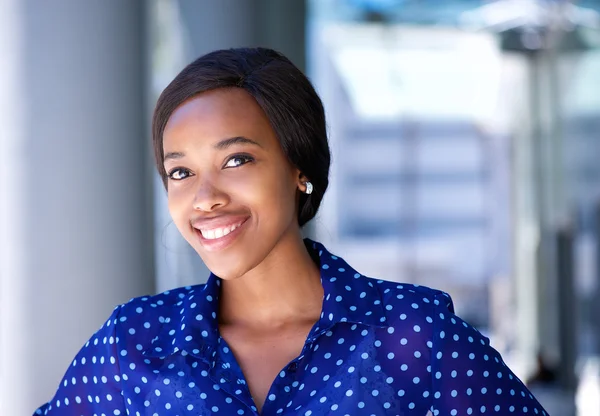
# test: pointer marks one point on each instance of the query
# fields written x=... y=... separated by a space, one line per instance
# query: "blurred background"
x=466 y=156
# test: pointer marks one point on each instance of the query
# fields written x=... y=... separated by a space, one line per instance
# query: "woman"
x=282 y=326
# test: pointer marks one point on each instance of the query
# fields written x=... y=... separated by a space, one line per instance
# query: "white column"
x=526 y=224
x=76 y=216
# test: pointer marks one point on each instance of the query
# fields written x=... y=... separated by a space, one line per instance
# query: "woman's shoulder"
x=412 y=309
x=394 y=296
x=411 y=297
x=409 y=291
x=139 y=322
x=160 y=304
x=421 y=317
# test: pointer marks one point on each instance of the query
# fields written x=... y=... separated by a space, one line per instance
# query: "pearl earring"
x=309 y=188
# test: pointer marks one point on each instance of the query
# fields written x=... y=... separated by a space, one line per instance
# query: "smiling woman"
x=282 y=326
x=230 y=173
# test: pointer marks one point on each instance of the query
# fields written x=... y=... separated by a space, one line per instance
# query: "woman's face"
x=232 y=191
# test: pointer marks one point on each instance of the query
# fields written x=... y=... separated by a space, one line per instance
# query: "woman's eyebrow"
x=221 y=145
x=225 y=143
x=173 y=155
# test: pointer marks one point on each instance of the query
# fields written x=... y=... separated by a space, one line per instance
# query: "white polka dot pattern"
x=379 y=348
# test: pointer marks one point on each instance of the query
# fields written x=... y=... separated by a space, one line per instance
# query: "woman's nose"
x=209 y=197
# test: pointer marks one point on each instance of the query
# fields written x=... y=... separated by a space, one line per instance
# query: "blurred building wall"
x=75 y=208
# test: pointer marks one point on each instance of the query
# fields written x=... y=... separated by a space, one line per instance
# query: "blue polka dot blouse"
x=379 y=348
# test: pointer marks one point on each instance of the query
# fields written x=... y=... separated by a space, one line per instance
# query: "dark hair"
x=283 y=92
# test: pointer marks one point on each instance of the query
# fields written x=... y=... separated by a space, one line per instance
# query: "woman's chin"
x=225 y=267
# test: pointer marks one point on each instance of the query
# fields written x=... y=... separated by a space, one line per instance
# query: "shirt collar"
x=195 y=331
x=348 y=297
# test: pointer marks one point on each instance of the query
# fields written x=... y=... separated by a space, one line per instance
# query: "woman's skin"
x=226 y=167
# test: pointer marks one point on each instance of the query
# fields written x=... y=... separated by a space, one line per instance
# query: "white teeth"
x=218 y=232
x=208 y=234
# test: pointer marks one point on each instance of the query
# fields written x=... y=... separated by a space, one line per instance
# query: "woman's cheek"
x=180 y=206
x=246 y=184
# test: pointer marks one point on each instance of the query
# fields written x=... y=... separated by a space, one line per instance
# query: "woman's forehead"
x=217 y=115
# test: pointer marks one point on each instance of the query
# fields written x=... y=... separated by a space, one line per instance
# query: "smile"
x=214 y=233
x=218 y=234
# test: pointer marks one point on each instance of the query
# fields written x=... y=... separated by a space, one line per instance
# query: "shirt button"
x=293 y=366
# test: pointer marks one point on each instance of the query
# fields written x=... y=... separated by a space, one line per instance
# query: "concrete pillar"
x=231 y=23
x=75 y=212
x=540 y=210
x=201 y=27
x=526 y=228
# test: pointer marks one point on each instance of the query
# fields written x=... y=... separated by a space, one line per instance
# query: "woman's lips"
x=218 y=233
x=214 y=233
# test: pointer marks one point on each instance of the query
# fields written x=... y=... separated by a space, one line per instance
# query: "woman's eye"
x=238 y=160
x=178 y=174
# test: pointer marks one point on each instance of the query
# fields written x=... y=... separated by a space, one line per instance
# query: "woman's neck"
x=285 y=288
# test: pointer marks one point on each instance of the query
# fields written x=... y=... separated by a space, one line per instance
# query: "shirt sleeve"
x=468 y=375
x=92 y=384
